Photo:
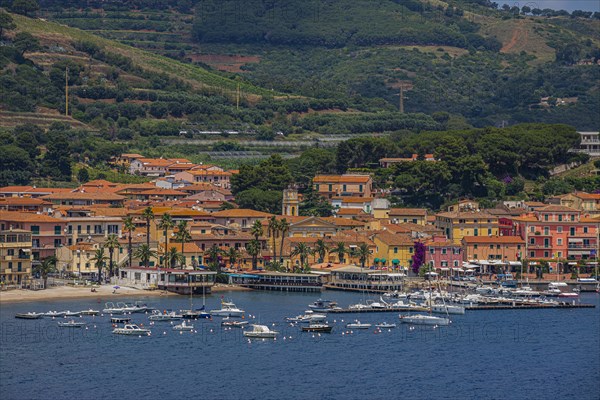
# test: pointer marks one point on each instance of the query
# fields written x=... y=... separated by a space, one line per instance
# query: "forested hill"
x=491 y=64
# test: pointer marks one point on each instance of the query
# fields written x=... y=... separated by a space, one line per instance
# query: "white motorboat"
x=360 y=306
x=89 y=312
x=358 y=325
x=72 y=324
x=29 y=315
x=309 y=316
x=110 y=308
x=54 y=314
x=261 y=331
x=166 y=316
x=377 y=305
x=132 y=329
x=183 y=327
x=420 y=319
x=385 y=325
x=447 y=309
x=234 y=324
x=228 y=309
x=71 y=313
x=321 y=305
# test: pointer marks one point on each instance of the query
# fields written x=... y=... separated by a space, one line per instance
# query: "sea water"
x=516 y=354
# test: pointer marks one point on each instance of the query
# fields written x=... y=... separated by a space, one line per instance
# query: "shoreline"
x=103 y=293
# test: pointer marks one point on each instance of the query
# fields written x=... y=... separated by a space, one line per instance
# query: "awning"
x=383 y=260
x=376 y=259
x=395 y=261
x=483 y=262
x=514 y=263
x=472 y=266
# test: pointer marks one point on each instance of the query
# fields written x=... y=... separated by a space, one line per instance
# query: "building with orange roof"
x=24 y=204
x=352 y=202
x=458 y=224
x=47 y=233
x=30 y=191
x=330 y=186
x=157 y=166
x=394 y=250
x=559 y=233
x=216 y=176
x=494 y=248
x=403 y=215
x=585 y=202
x=84 y=198
x=443 y=254
x=239 y=218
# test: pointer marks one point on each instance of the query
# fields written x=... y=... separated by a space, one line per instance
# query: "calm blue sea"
x=533 y=354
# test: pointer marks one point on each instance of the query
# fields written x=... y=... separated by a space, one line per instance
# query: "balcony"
x=582 y=246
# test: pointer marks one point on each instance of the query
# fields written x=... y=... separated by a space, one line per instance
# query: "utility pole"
x=67 y=91
x=402 y=86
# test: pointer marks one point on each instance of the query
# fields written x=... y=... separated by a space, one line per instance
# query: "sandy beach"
x=103 y=293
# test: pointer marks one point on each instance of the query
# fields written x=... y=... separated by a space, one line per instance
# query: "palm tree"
x=352 y=254
x=303 y=251
x=100 y=260
x=233 y=255
x=253 y=250
x=111 y=243
x=173 y=257
x=321 y=249
x=273 y=229
x=213 y=255
x=144 y=253
x=257 y=229
x=340 y=250
x=165 y=223
x=183 y=235
x=148 y=215
x=284 y=228
x=129 y=227
x=363 y=254
x=47 y=266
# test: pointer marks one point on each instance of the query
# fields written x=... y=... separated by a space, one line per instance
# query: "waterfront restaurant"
x=170 y=279
x=278 y=281
x=353 y=277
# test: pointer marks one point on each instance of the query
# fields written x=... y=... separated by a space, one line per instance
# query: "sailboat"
x=421 y=319
x=195 y=314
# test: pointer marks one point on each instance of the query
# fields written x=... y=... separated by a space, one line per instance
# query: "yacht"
x=358 y=325
x=110 y=308
x=420 y=319
x=132 y=329
x=309 y=316
x=376 y=304
x=54 y=314
x=228 y=309
x=183 y=327
x=447 y=309
x=261 y=331
x=72 y=324
x=321 y=305
x=29 y=315
x=71 y=313
x=158 y=316
x=325 y=328
x=385 y=325
x=90 y=312
x=360 y=306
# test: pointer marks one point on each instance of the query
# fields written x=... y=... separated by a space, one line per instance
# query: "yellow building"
x=408 y=215
x=15 y=257
x=329 y=186
x=458 y=224
x=394 y=250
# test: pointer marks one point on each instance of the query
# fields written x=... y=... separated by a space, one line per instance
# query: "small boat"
x=72 y=324
x=110 y=308
x=321 y=305
x=228 y=309
x=309 y=316
x=29 y=315
x=195 y=314
x=358 y=325
x=183 y=327
x=166 y=316
x=447 y=309
x=132 y=329
x=120 y=320
x=360 y=306
x=261 y=332
x=235 y=324
x=54 y=314
x=420 y=319
x=71 y=313
x=325 y=328
x=385 y=325
x=89 y=312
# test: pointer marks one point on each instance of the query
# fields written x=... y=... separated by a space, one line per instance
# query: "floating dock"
x=467 y=307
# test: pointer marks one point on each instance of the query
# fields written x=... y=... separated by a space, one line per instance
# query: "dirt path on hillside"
x=520 y=36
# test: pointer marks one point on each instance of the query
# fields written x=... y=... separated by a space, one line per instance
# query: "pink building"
x=442 y=254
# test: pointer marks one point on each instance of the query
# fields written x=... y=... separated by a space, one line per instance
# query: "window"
x=57 y=243
x=491 y=246
x=559 y=229
x=343 y=188
x=35 y=230
x=560 y=217
x=98 y=229
x=87 y=229
x=560 y=254
x=410 y=250
x=330 y=188
x=444 y=251
x=476 y=232
x=317 y=187
x=572 y=231
x=546 y=231
x=475 y=246
x=360 y=188
x=532 y=241
x=57 y=230
x=79 y=229
x=545 y=217
x=532 y=229
x=113 y=229
x=431 y=251
x=585 y=229
x=518 y=247
x=10 y=252
x=10 y=265
x=532 y=254
x=546 y=254
x=395 y=250
x=444 y=263
x=455 y=263
x=559 y=241
x=546 y=242
x=19 y=266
